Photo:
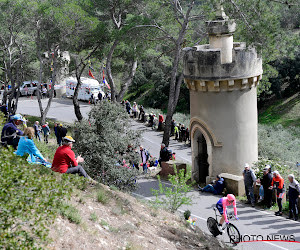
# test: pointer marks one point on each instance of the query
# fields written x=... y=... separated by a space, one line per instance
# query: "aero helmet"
x=230 y=197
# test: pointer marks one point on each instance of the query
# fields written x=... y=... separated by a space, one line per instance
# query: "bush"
x=29 y=199
x=276 y=142
x=176 y=195
x=105 y=141
x=102 y=196
x=70 y=212
x=283 y=169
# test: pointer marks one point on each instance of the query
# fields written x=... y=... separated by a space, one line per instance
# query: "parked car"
x=29 y=88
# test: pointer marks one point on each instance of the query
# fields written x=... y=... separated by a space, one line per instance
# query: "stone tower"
x=222 y=77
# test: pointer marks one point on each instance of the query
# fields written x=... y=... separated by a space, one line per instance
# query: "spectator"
x=266 y=182
x=142 y=113
x=160 y=121
x=134 y=110
x=297 y=164
x=174 y=156
x=180 y=134
x=4 y=110
x=183 y=133
x=59 y=137
x=37 y=130
x=10 y=133
x=176 y=132
x=100 y=96
x=62 y=131
x=164 y=154
x=144 y=159
x=294 y=192
x=187 y=134
x=46 y=131
x=56 y=132
x=249 y=181
x=64 y=160
x=27 y=146
x=44 y=92
x=128 y=106
x=278 y=185
x=216 y=188
x=172 y=127
x=151 y=120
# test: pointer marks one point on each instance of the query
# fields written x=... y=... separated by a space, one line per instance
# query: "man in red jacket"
x=64 y=159
x=278 y=185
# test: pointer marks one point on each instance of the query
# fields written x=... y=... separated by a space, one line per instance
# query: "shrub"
x=105 y=140
x=102 y=196
x=70 y=212
x=278 y=165
x=93 y=217
x=177 y=195
x=276 y=142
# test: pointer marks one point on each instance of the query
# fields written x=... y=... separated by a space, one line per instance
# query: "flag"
x=90 y=74
x=106 y=84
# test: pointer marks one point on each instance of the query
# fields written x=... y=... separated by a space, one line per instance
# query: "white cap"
x=247 y=165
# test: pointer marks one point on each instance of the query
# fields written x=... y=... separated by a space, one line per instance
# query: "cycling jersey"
x=222 y=207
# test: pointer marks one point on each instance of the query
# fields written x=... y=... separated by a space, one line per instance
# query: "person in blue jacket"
x=215 y=188
x=27 y=146
x=10 y=133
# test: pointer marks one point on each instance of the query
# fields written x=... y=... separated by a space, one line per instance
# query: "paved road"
x=61 y=109
x=252 y=221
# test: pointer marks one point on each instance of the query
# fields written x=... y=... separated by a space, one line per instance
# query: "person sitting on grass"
x=26 y=146
x=215 y=188
x=64 y=160
x=10 y=133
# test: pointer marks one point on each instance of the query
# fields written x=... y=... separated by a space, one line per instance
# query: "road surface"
x=254 y=222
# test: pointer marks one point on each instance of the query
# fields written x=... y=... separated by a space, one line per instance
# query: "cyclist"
x=222 y=205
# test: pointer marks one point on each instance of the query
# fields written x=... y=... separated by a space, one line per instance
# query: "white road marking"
x=269 y=243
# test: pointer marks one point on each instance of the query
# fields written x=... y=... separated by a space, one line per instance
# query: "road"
x=253 y=221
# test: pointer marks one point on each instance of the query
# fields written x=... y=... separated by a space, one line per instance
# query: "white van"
x=88 y=87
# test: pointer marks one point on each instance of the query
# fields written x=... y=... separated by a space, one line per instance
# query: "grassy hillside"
x=285 y=112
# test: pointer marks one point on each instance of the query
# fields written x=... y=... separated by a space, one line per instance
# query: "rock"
x=90 y=208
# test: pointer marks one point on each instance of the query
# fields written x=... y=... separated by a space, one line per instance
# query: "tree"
x=120 y=16
x=16 y=48
x=105 y=141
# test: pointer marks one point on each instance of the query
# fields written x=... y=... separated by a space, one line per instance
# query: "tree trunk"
x=75 y=98
x=128 y=82
x=174 y=83
x=108 y=70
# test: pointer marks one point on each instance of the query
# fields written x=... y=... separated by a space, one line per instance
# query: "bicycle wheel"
x=212 y=226
x=233 y=233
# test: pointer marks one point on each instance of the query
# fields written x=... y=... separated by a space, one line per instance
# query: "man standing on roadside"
x=266 y=182
x=249 y=181
x=144 y=159
x=164 y=154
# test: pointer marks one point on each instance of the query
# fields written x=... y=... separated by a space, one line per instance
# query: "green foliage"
x=175 y=196
x=105 y=141
x=29 y=198
x=276 y=142
x=278 y=165
x=93 y=217
x=70 y=212
x=102 y=196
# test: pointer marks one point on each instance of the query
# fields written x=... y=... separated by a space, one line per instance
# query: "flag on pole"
x=90 y=74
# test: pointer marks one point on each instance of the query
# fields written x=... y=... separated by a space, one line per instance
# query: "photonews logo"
x=259 y=237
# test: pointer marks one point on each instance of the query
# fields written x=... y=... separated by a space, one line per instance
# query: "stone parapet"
x=204 y=70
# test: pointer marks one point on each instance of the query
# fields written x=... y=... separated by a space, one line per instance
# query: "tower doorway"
x=201 y=164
